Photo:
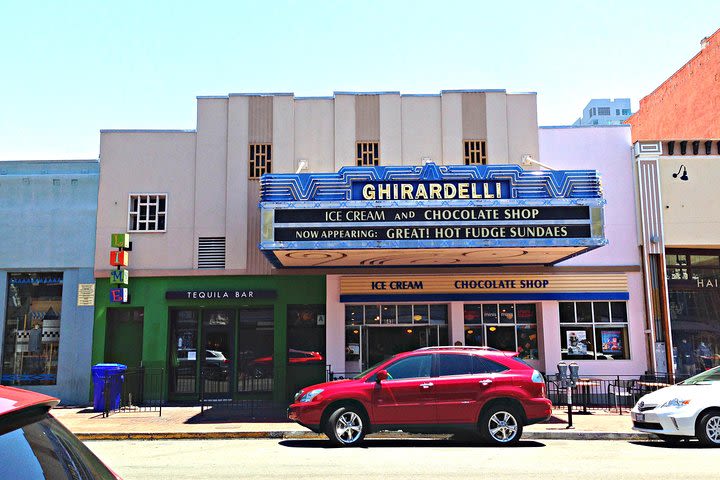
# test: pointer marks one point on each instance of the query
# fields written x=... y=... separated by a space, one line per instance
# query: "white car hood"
x=682 y=392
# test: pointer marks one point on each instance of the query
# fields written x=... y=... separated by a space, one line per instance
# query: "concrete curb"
x=293 y=435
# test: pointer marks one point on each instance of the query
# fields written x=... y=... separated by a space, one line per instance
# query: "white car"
x=686 y=410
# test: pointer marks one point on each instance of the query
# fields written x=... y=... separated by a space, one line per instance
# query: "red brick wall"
x=687 y=105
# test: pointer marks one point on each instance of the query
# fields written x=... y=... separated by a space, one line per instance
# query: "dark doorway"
x=124 y=336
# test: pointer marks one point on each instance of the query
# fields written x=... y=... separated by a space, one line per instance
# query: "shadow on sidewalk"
x=685 y=444
x=220 y=414
x=396 y=443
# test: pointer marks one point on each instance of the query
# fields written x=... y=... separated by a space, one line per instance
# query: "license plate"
x=639 y=417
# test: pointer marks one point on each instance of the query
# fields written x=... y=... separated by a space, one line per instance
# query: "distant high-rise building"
x=605 y=111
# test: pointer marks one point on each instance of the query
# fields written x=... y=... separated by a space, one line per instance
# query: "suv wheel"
x=501 y=425
x=345 y=427
x=708 y=430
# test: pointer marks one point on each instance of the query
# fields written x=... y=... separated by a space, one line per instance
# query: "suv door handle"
x=485 y=382
x=426 y=385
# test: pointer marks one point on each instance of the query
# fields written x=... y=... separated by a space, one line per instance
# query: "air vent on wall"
x=211 y=252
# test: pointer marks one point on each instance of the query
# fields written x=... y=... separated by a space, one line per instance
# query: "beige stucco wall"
x=210 y=168
x=421 y=129
x=691 y=210
x=314 y=128
x=205 y=173
x=147 y=162
x=522 y=127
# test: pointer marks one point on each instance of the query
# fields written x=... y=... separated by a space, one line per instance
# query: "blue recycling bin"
x=112 y=373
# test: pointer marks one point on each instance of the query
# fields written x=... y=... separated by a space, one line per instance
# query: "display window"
x=376 y=332
x=594 y=331
x=694 y=297
x=306 y=335
x=505 y=326
x=32 y=328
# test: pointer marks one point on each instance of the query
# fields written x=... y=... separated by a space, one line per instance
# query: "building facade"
x=677 y=146
x=605 y=111
x=229 y=309
x=47 y=216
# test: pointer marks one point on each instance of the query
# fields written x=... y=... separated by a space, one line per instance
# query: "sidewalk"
x=187 y=423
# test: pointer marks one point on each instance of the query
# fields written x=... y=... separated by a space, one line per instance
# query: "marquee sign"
x=430 y=215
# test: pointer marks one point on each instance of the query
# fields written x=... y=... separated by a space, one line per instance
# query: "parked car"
x=215 y=367
x=33 y=445
x=433 y=389
x=690 y=409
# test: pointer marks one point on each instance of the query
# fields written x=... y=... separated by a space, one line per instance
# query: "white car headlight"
x=675 y=402
x=310 y=395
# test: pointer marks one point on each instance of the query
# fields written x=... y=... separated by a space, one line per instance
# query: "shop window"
x=367 y=154
x=694 y=303
x=475 y=152
x=147 y=212
x=183 y=350
x=505 y=326
x=255 y=349
x=306 y=335
x=32 y=328
x=598 y=331
x=260 y=160
x=399 y=328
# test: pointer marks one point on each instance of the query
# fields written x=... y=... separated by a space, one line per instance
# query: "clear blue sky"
x=72 y=68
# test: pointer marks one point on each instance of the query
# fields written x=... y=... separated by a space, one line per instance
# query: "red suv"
x=430 y=390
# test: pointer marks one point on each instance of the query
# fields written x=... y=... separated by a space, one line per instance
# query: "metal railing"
x=616 y=393
x=250 y=401
x=140 y=389
x=331 y=375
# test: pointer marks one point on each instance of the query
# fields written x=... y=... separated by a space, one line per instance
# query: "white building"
x=605 y=111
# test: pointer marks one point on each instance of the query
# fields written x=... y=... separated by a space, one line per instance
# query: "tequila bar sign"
x=220 y=294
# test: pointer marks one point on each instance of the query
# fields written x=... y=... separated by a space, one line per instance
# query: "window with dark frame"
x=147 y=212
x=474 y=152
x=367 y=154
x=507 y=326
x=260 y=160
x=594 y=330
x=306 y=335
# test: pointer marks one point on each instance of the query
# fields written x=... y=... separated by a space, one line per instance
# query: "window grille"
x=475 y=152
x=260 y=159
x=147 y=212
x=368 y=154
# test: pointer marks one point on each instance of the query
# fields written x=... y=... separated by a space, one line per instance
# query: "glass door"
x=381 y=343
x=216 y=361
x=183 y=351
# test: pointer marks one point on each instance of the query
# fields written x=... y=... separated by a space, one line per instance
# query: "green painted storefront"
x=157 y=333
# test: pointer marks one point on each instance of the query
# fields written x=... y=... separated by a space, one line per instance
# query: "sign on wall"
x=86 y=295
x=120 y=258
x=479 y=287
x=430 y=215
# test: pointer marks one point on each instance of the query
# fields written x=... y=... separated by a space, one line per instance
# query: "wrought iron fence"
x=331 y=375
x=250 y=401
x=604 y=392
x=139 y=389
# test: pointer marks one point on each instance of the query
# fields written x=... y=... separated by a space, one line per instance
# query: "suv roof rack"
x=458 y=347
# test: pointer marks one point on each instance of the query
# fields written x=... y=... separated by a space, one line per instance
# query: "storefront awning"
x=430 y=216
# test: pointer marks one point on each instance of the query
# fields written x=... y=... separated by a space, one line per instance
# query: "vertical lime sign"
x=119 y=259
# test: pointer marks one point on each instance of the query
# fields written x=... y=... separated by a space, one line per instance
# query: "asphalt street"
x=406 y=459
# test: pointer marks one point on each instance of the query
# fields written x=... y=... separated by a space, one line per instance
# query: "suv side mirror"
x=381 y=375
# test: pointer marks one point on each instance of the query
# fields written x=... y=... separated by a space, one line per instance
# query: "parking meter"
x=568 y=376
x=574 y=373
x=563 y=373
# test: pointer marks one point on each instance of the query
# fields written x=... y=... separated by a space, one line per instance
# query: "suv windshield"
x=712 y=375
x=46 y=449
